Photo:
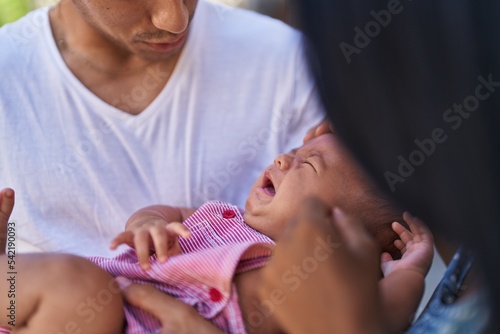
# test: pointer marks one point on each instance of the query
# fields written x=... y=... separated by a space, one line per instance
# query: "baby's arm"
x=403 y=285
x=154 y=228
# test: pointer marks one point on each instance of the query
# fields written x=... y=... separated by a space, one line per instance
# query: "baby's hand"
x=416 y=246
x=152 y=234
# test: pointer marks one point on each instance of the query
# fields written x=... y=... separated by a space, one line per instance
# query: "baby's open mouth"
x=268 y=187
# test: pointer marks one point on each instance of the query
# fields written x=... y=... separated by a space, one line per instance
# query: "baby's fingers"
x=178 y=229
x=138 y=240
x=418 y=228
x=385 y=257
x=141 y=245
x=386 y=262
x=126 y=238
x=161 y=240
x=405 y=235
x=400 y=245
x=165 y=237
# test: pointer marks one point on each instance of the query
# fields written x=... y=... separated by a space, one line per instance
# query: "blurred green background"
x=11 y=10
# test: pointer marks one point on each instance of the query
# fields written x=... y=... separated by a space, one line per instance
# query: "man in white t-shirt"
x=109 y=106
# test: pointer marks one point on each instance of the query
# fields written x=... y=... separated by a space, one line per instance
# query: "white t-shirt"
x=240 y=94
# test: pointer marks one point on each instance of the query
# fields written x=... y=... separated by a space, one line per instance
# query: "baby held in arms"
x=209 y=258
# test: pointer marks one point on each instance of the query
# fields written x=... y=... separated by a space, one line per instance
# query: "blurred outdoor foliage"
x=11 y=10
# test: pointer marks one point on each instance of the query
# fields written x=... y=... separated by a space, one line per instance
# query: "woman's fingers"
x=352 y=231
x=174 y=315
x=147 y=298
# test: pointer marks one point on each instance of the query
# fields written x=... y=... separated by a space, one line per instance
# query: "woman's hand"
x=326 y=271
x=174 y=316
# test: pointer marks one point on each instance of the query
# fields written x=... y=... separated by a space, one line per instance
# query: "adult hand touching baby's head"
x=332 y=260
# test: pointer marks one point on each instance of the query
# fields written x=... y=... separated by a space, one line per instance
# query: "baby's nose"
x=283 y=161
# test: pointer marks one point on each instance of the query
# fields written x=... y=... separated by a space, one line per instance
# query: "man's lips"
x=166 y=47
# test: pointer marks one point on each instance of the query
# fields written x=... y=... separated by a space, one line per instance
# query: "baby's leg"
x=58 y=293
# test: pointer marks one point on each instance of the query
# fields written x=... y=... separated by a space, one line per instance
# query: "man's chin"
x=154 y=57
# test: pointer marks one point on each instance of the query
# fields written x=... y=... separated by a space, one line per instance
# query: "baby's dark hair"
x=377 y=213
x=378 y=217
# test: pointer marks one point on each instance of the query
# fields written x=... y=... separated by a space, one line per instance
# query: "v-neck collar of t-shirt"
x=104 y=108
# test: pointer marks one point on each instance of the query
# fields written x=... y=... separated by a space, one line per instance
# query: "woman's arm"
x=341 y=294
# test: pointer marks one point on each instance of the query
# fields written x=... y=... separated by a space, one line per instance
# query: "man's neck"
x=75 y=35
x=108 y=70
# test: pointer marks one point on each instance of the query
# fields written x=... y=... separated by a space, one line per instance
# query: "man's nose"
x=283 y=161
x=170 y=15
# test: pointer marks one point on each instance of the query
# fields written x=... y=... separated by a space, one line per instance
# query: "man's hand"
x=6 y=207
x=326 y=272
x=324 y=127
x=174 y=316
